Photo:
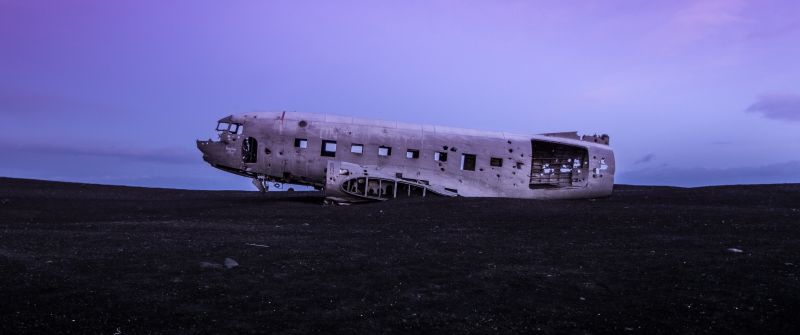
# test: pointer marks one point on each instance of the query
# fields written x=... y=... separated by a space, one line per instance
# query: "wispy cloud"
x=700 y=19
x=186 y=182
x=603 y=93
x=645 y=159
x=722 y=143
x=25 y=103
x=774 y=32
x=158 y=155
x=699 y=176
x=778 y=106
x=711 y=12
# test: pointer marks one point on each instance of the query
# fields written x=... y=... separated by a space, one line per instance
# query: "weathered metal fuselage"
x=356 y=159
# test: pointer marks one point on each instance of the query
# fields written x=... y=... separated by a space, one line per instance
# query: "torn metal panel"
x=367 y=160
x=348 y=182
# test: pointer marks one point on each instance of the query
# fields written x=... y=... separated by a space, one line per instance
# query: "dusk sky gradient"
x=115 y=92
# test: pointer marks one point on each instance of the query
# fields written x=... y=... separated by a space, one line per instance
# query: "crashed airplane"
x=355 y=160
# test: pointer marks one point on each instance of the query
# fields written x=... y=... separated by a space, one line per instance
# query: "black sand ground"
x=101 y=259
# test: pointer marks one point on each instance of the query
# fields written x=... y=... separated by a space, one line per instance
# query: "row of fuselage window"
x=329 y=150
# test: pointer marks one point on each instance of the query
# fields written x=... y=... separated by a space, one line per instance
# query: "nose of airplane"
x=205 y=148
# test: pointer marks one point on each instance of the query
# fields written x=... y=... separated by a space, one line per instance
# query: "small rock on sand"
x=231 y=263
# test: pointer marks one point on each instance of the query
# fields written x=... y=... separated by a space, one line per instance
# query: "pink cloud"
x=701 y=19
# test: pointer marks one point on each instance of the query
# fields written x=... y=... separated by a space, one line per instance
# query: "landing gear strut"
x=261 y=184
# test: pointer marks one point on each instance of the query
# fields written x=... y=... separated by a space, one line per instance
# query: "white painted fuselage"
x=349 y=157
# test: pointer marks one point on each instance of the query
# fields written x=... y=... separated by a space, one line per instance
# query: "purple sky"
x=116 y=92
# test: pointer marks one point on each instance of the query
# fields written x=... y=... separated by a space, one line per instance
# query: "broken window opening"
x=384 y=151
x=328 y=148
x=440 y=156
x=468 y=162
x=357 y=148
x=249 y=150
x=494 y=161
x=412 y=154
x=301 y=143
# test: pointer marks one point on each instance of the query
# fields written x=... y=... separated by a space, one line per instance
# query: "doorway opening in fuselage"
x=558 y=165
x=249 y=150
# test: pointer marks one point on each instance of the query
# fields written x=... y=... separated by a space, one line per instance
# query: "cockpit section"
x=230 y=131
x=230 y=150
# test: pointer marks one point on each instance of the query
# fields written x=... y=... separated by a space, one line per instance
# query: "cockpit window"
x=234 y=128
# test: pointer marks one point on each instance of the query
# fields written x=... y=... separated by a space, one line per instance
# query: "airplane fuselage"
x=303 y=148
